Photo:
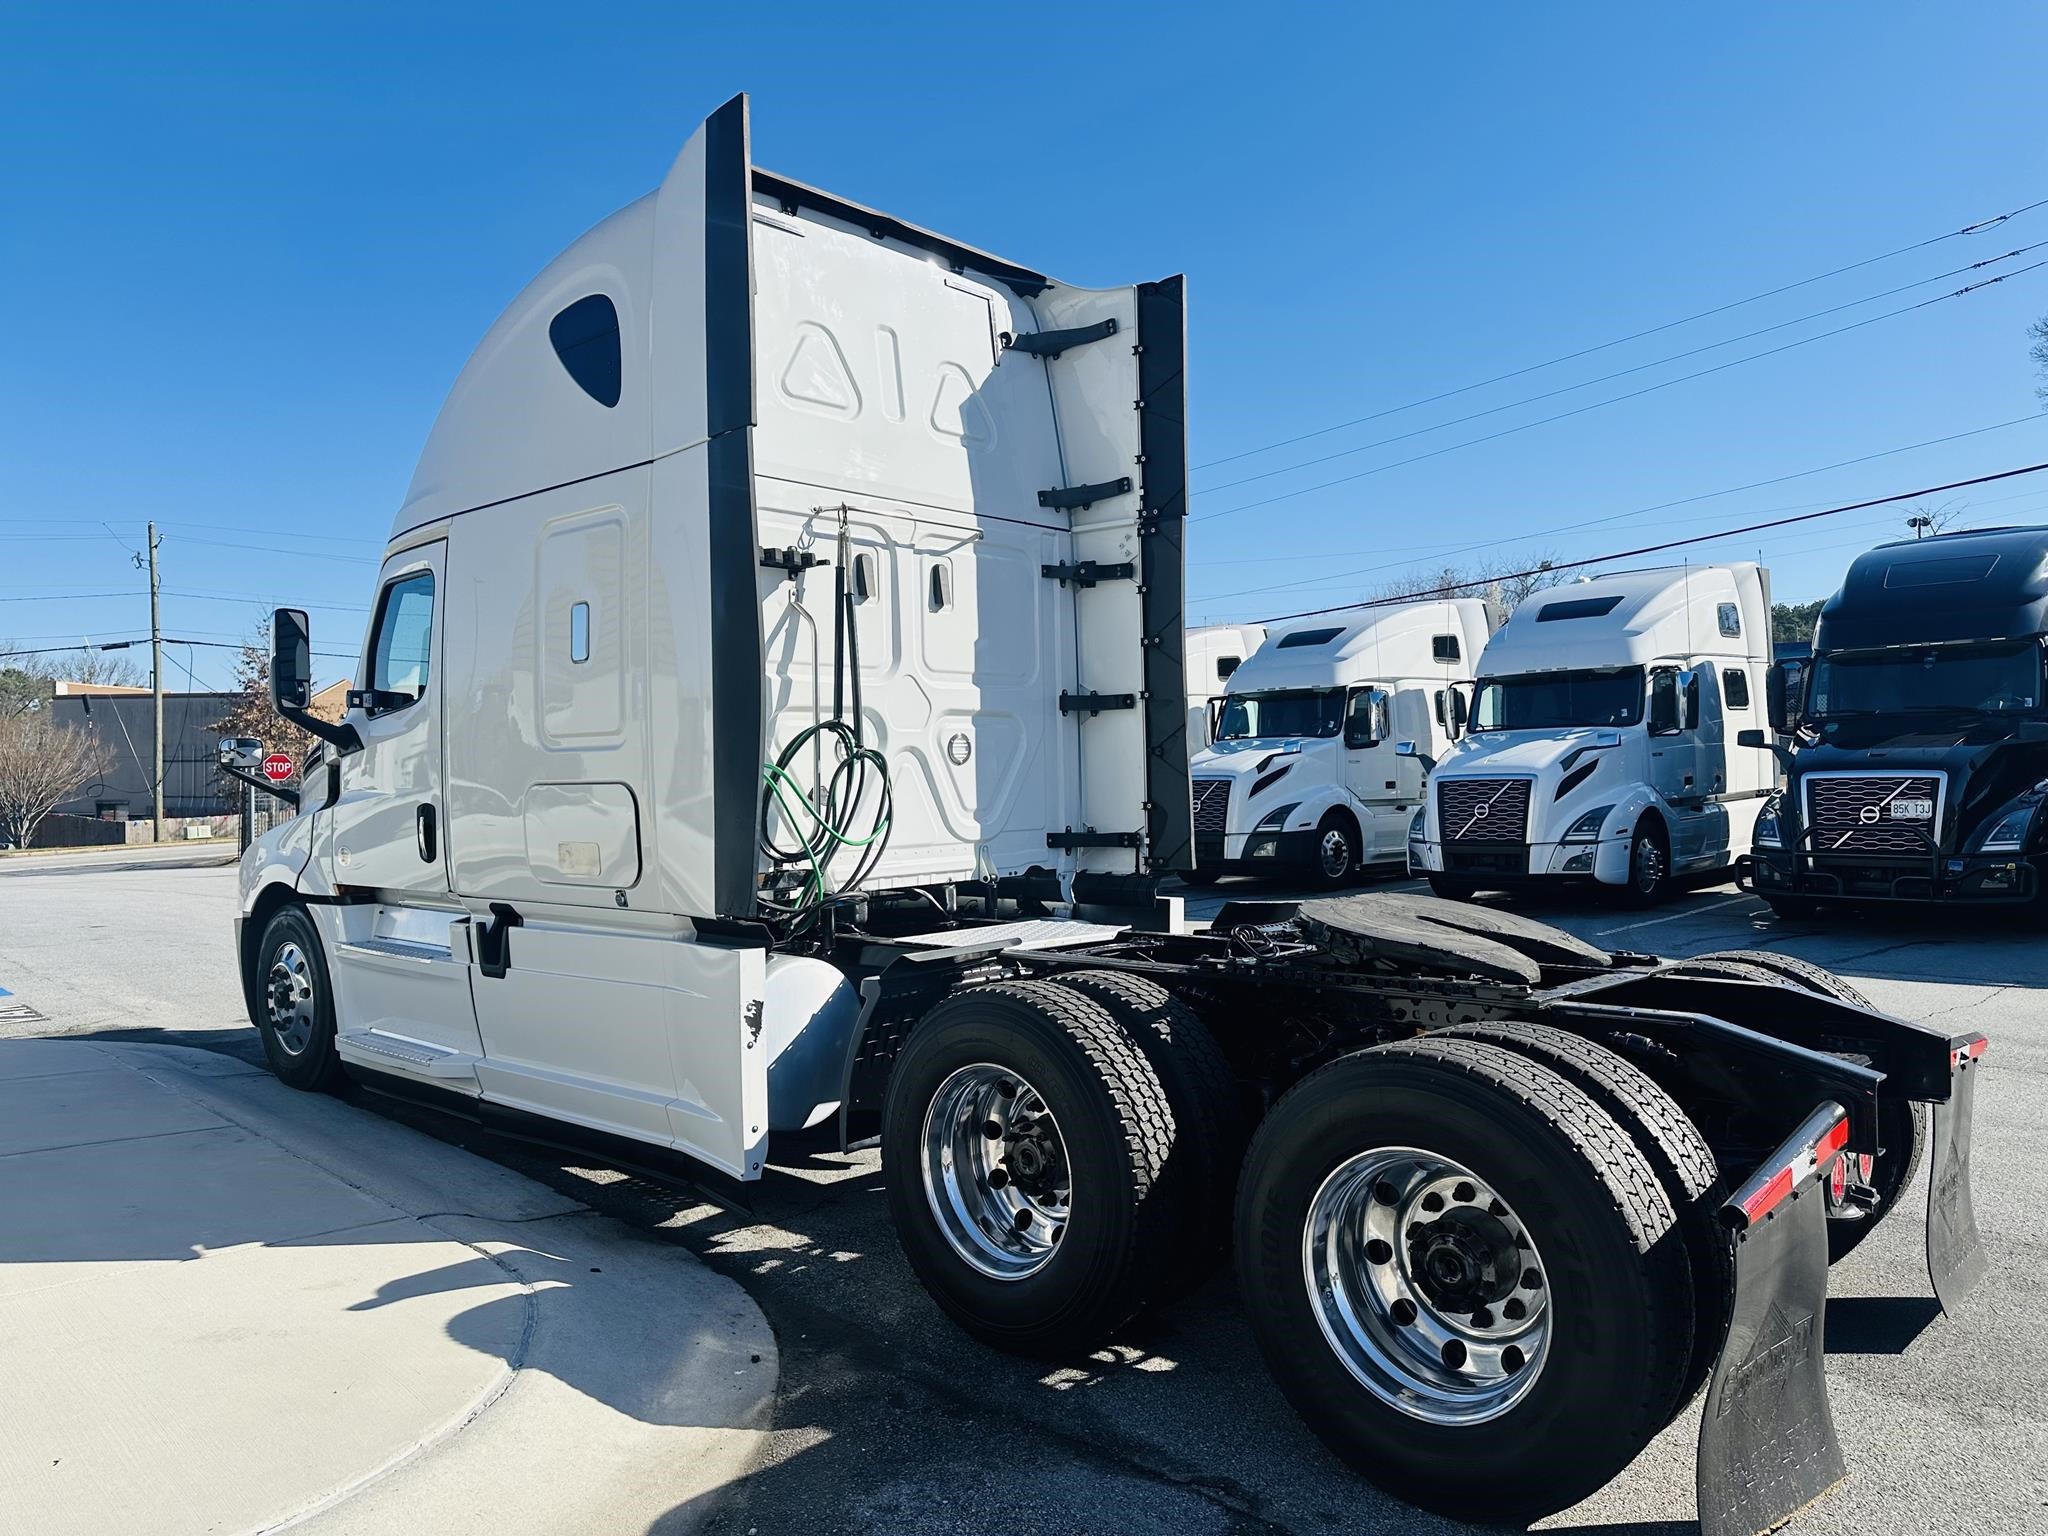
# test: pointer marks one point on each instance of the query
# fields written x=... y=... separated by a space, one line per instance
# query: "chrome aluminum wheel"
x=996 y=1172
x=1651 y=867
x=1426 y=1285
x=1333 y=850
x=288 y=992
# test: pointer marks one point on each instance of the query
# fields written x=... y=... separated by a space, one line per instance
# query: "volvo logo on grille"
x=1480 y=812
x=1868 y=815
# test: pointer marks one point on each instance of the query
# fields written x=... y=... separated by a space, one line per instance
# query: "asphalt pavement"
x=888 y=1419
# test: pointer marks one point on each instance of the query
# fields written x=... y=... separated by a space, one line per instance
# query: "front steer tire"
x=1619 y=1287
x=291 y=978
x=1115 y=1126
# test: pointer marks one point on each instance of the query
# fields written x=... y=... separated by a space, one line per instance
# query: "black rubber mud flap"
x=1955 y=1253
x=1767 y=1441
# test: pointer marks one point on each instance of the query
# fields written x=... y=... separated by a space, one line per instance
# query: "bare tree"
x=27 y=679
x=1503 y=580
x=2039 y=353
x=1927 y=518
x=42 y=764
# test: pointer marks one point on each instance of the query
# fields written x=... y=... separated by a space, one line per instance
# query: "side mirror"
x=1751 y=738
x=1784 y=686
x=1406 y=749
x=240 y=752
x=291 y=660
x=1689 y=699
x=1365 y=719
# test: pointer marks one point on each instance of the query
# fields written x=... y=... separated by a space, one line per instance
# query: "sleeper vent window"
x=1730 y=618
x=941 y=586
x=1303 y=637
x=579 y=633
x=586 y=339
x=1225 y=665
x=1578 y=608
x=863 y=577
x=1735 y=688
x=1444 y=647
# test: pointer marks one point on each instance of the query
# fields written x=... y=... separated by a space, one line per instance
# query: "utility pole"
x=156 y=689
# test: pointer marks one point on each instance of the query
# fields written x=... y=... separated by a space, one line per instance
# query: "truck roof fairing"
x=1985 y=585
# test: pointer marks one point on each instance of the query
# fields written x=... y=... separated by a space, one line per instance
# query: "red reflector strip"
x=1811 y=1150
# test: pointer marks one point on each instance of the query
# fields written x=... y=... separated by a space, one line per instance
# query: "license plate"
x=1912 y=810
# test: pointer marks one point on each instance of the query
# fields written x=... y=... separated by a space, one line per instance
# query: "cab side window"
x=401 y=654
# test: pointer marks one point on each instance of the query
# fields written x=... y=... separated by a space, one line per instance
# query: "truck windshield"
x=1284 y=712
x=1548 y=701
x=1969 y=679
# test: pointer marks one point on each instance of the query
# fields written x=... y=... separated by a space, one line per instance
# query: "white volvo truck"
x=1602 y=745
x=1303 y=778
x=1213 y=653
x=770 y=729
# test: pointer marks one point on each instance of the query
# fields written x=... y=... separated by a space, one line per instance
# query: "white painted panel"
x=581 y=562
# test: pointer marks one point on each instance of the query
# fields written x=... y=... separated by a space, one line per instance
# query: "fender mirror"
x=240 y=752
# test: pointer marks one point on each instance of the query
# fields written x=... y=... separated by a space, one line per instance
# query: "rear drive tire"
x=294 y=1004
x=1450 y=888
x=1525 y=1169
x=1045 y=1237
x=1901 y=1122
x=1209 y=1131
x=1667 y=1137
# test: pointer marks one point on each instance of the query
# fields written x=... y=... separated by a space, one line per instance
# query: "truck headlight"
x=1587 y=828
x=1276 y=818
x=2009 y=833
x=1415 y=825
x=1768 y=833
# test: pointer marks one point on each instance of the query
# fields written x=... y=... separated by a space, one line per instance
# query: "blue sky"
x=251 y=247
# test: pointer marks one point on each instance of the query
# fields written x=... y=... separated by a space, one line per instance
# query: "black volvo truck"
x=1918 y=762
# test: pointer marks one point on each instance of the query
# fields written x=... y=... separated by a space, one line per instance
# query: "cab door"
x=1675 y=757
x=399 y=960
x=387 y=822
x=1373 y=775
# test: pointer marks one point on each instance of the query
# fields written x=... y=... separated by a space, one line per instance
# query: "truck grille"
x=1483 y=810
x=1848 y=813
x=1212 y=807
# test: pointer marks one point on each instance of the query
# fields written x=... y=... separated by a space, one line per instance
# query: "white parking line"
x=1672 y=917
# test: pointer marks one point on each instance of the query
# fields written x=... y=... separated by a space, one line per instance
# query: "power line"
x=1544 y=421
x=1448 y=551
x=1549 y=567
x=1393 y=410
x=1712 y=346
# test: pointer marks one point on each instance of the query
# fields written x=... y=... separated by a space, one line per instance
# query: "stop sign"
x=277 y=767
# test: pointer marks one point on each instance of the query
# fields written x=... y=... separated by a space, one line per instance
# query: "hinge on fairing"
x=790 y=560
x=1086 y=573
x=1065 y=498
x=1095 y=703
x=1053 y=343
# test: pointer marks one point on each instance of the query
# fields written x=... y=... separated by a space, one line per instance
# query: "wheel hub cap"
x=1427 y=1285
x=288 y=993
x=995 y=1172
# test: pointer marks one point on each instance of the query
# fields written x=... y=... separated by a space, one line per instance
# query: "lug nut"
x=1432 y=1201
x=1532 y=1279
x=1454 y=1353
x=1378 y=1252
x=1513 y=1310
x=1482 y=1318
x=1464 y=1193
x=1402 y=1311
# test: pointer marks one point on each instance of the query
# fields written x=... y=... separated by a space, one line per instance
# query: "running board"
x=385 y=1053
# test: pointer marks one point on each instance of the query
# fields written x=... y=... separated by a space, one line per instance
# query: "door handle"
x=423 y=827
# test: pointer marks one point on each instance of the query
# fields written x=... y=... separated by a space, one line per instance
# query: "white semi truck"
x=770 y=729
x=1213 y=652
x=1303 y=778
x=1603 y=744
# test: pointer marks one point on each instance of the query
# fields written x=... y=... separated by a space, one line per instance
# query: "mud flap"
x=1955 y=1253
x=1767 y=1441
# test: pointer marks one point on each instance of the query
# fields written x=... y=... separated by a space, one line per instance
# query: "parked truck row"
x=773 y=731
